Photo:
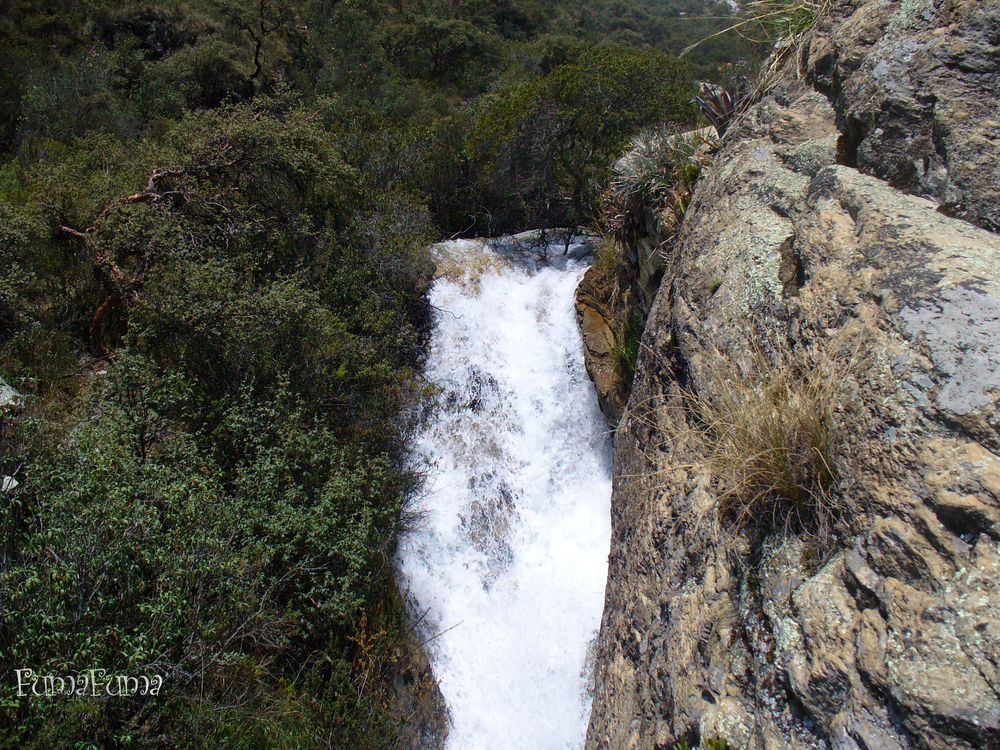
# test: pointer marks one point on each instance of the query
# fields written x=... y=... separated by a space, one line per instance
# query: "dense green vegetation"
x=218 y=498
x=213 y=217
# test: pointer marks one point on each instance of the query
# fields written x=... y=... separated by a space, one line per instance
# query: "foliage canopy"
x=213 y=216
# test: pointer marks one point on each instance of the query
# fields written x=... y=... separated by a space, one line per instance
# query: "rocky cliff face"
x=848 y=220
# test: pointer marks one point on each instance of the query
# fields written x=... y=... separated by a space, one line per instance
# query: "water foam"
x=510 y=559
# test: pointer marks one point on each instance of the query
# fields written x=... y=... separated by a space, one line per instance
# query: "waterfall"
x=509 y=557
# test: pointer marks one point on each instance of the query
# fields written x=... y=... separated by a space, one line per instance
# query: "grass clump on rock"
x=656 y=177
x=770 y=429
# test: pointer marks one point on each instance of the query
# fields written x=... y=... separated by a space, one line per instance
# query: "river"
x=507 y=563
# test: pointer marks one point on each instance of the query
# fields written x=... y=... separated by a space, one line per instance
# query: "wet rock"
x=416 y=699
x=597 y=320
x=546 y=247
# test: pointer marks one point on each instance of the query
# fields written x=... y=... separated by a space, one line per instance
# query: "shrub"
x=238 y=555
x=73 y=98
x=768 y=424
x=202 y=75
x=541 y=147
x=218 y=499
x=656 y=178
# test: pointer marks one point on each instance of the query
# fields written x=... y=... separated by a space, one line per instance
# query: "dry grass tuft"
x=606 y=258
x=769 y=429
x=779 y=24
x=771 y=21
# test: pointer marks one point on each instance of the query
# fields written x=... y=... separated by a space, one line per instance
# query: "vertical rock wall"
x=850 y=217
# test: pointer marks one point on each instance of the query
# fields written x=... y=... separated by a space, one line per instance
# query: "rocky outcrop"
x=11 y=402
x=9 y=398
x=415 y=698
x=600 y=310
x=845 y=220
x=915 y=88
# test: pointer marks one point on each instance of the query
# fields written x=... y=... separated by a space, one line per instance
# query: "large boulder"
x=812 y=236
x=915 y=88
x=415 y=697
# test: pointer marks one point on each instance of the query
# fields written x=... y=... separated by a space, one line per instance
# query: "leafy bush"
x=204 y=74
x=543 y=146
x=218 y=503
x=71 y=99
x=210 y=559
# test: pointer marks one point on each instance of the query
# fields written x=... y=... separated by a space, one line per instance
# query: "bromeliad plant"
x=775 y=24
x=656 y=178
x=708 y=744
x=720 y=105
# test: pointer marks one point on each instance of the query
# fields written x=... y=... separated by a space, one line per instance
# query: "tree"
x=543 y=147
x=259 y=20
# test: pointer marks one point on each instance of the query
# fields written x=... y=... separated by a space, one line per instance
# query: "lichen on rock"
x=853 y=206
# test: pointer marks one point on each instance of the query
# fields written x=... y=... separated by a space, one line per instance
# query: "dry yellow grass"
x=770 y=21
x=769 y=429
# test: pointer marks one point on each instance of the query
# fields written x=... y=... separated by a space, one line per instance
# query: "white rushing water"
x=510 y=558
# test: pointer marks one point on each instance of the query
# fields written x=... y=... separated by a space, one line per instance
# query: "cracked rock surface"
x=849 y=214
